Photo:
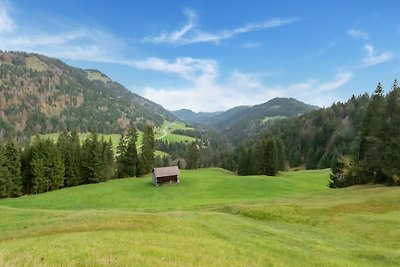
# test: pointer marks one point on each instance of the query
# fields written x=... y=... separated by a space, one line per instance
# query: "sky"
x=214 y=55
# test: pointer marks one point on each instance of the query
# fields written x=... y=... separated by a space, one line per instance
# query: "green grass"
x=165 y=132
x=273 y=118
x=213 y=218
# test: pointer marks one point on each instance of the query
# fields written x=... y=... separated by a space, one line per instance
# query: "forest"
x=45 y=165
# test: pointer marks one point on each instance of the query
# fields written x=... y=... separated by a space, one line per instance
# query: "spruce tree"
x=108 y=160
x=391 y=136
x=14 y=167
x=147 y=157
x=131 y=154
x=192 y=156
x=121 y=157
x=5 y=175
x=38 y=170
x=370 y=154
x=91 y=162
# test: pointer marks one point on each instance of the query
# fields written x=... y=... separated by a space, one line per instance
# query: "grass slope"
x=213 y=218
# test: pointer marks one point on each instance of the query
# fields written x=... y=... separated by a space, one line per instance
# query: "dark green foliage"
x=70 y=149
x=391 y=136
x=377 y=159
x=45 y=153
x=5 y=175
x=107 y=160
x=13 y=163
x=371 y=137
x=147 y=160
x=193 y=156
x=38 y=179
x=92 y=159
x=131 y=157
x=121 y=157
x=127 y=158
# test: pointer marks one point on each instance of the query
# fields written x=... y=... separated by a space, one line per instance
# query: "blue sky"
x=214 y=55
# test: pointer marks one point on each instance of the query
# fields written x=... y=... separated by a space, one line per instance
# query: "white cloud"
x=6 y=23
x=357 y=34
x=250 y=45
x=373 y=59
x=205 y=91
x=341 y=79
x=190 y=33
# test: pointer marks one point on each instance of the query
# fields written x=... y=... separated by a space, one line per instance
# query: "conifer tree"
x=108 y=160
x=370 y=156
x=121 y=157
x=193 y=156
x=5 y=175
x=91 y=162
x=146 y=161
x=131 y=156
x=391 y=136
x=14 y=167
x=38 y=179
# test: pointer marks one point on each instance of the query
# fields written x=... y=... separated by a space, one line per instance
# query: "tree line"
x=376 y=158
x=44 y=165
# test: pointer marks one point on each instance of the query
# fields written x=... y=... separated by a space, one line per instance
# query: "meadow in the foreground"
x=213 y=218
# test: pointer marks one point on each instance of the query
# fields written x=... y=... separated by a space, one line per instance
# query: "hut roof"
x=166 y=171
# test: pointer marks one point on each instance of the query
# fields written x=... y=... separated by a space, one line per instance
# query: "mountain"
x=191 y=116
x=39 y=94
x=242 y=121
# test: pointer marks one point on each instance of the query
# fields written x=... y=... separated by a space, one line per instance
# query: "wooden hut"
x=165 y=175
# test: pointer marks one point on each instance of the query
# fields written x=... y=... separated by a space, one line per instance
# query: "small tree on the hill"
x=192 y=156
x=146 y=161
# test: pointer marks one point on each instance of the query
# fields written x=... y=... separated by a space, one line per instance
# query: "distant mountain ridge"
x=242 y=121
x=39 y=94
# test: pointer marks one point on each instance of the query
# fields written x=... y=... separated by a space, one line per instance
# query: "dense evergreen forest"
x=45 y=165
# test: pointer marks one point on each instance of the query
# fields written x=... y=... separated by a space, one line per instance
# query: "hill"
x=191 y=116
x=39 y=94
x=241 y=122
x=213 y=218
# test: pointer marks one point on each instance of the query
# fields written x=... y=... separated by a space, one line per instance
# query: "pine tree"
x=108 y=160
x=39 y=183
x=370 y=154
x=131 y=154
x=147 y=159
x=192 y=156
x=14 y=167
x=91 y=162
x=391 y=136
x=121 y=157
x=5 y=175
x=269 y=158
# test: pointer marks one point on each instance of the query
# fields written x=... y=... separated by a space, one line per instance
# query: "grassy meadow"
x=213 y=218
x=162 y=133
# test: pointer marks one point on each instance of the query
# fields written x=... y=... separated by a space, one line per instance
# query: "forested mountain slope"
x=243 y=121
x=39 y=94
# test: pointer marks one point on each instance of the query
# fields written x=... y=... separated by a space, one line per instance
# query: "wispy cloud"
x=341 y=79
x=322 y=51
x=251 y=45
x=6 y=23
x=372 y=58
x=191 y=33
x=205 y=91
x=357 y=34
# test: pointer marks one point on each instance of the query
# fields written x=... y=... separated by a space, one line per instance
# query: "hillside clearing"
x=213 y=218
